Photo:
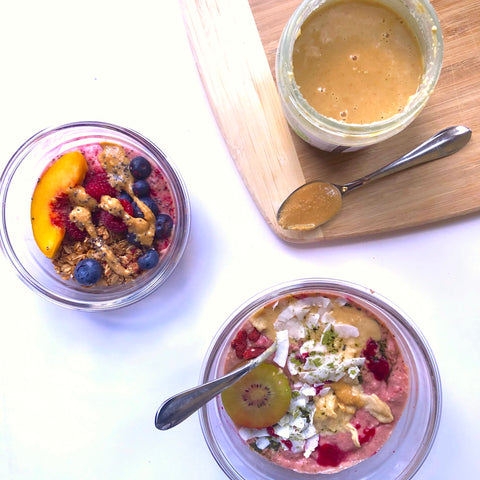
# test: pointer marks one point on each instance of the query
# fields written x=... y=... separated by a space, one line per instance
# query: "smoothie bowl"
x=94 y=216
x=353 y=390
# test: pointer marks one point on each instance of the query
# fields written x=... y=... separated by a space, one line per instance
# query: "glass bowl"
x=17 y=184
x=332 y=135
x=412 y=438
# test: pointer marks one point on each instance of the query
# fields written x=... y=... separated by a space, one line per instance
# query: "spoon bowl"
x=316 y=202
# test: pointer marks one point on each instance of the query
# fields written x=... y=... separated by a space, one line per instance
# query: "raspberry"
x=98 y=186
x=127 y=206
x=239 y=343
x=74 y=232
x=113 y=223
x=253 y=335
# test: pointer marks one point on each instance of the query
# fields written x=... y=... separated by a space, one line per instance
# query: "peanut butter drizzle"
x=78 y=196
x=82 y=218
x=116 y=163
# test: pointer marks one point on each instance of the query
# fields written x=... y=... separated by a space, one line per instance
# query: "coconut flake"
x=281 y=355
x=345 y=331
x=262 y=443
x=310 y=445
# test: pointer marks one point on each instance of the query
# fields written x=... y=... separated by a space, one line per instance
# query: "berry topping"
x=253 y=335
x=239 y=343
x=148 y=260
x=137 y=213
x=151 y=204
x=141 y=188
x=88 y=272
x=379 y=367
x=74 y=232
x=329 y=455
x=127 y=206
x=125 y=196
x=163 y=226
x=98 y=186
x=113 y=223
x=376 y=363
x=368 y=434
x=132 y=238
x=140 y=168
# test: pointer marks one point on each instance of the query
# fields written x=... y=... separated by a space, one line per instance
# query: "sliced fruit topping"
x=88 y=272
x=259 y=399
x=69 y=170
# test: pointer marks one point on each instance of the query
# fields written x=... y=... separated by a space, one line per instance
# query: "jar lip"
x=286 y=78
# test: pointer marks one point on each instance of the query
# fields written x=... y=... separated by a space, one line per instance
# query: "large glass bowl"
x=412 y=438
x=17 y=184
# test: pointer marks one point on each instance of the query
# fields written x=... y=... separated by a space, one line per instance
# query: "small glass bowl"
x=412 y=438
x=332 y=135
x=17 y=184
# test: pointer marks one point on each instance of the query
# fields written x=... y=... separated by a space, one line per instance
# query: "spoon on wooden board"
x=316 y=202
x=178 y=408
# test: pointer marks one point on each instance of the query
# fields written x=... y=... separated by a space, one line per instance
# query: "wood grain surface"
x=235 y=45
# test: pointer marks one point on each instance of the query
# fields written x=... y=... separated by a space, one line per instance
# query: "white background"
x=79 y=391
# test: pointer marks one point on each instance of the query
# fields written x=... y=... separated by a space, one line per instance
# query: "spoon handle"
x=441 y=145
x=179 y=407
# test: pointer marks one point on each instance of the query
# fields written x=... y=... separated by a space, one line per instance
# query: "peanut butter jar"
x=352 y=73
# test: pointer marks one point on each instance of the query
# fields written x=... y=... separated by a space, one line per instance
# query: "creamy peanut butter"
x=357 y=61
x=310 y=206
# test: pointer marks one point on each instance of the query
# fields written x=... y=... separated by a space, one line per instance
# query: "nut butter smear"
x=357 y=61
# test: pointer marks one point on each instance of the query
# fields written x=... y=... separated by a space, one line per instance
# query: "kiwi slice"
x=259 y=399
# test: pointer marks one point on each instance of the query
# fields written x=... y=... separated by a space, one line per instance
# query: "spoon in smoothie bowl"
x=316 y=202
x=178 y=408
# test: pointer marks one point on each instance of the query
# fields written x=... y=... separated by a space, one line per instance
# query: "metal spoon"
x=314 y=203
x=179 y=407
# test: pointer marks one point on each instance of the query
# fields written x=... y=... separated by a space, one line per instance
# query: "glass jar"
x=333 y=135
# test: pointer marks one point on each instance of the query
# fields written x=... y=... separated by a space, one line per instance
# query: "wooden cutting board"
x=235 y=43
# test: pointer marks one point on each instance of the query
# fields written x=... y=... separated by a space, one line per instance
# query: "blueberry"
x=88 y=272
x=132 y=238
x=151 y=204
x=148 y=260
x=137 y=213
x=163 y=226
x=140 y=168
x=125 y=196
x=141 y=188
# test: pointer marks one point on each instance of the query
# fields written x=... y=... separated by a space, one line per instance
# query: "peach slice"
x=69 y=170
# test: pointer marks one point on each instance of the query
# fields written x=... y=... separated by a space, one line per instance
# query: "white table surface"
x=79 y=391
